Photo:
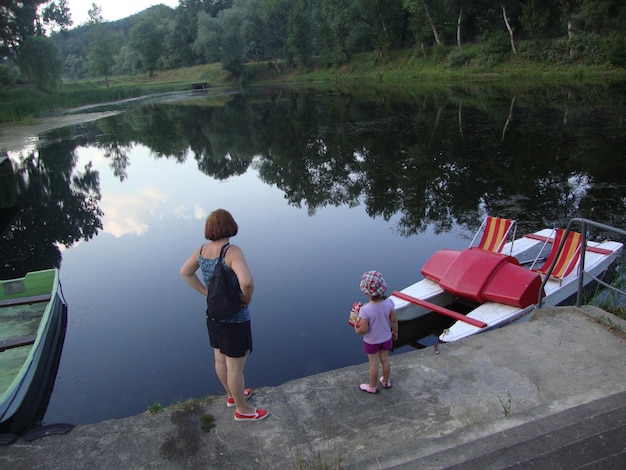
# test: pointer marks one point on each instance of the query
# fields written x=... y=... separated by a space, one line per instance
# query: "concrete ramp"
x=547 y=393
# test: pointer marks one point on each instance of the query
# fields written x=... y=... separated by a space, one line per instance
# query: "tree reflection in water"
x=437 y=157
x=56 y=204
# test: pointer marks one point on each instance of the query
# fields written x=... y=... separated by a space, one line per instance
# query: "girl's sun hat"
x=373 y=283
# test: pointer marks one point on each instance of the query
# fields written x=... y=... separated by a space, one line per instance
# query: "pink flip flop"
x=385 y=384
x=368 y=389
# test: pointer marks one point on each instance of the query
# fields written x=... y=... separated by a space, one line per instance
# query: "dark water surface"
x=324 y=186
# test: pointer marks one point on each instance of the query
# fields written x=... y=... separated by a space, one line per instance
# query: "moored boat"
x=33 y=319
x=499 y=287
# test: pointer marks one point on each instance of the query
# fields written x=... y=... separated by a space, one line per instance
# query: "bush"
x=553 y=52
x=498 y=44
x=617 y=55
x=496 y=50
x=40 y=62
x=438 y=53
x=458 y=58
x=589 y=48
x=9 y=75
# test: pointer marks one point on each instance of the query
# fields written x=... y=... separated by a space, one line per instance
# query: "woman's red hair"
x=220 y=224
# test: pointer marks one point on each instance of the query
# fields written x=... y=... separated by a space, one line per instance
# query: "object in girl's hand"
x=354 y=314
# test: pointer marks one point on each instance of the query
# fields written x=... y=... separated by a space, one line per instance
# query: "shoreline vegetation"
x=24 y=103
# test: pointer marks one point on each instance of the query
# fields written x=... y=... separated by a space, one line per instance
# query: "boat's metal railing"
x=585 y=223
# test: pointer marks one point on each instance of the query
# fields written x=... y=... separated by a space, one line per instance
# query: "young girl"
x=379 y=326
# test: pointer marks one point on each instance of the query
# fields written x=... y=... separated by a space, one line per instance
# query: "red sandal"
x=230 y=401
x=258 y=415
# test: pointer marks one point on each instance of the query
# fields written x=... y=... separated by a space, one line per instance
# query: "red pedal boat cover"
x=483 y=276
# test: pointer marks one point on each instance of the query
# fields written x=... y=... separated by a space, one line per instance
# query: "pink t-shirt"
x=378 y=322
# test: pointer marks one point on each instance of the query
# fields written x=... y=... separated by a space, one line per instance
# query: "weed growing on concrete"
x=155 y=408
x=609 y=304
x=189 y=405
x=612 y=325
x=505 y=403
x=195 y=403
x=207 y=422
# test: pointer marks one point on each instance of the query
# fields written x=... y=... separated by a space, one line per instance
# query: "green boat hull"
x=33 y=320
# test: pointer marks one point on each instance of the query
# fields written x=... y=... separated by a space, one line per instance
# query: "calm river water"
x=324 y=185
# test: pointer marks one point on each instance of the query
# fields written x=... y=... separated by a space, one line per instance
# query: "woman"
x=231 y=339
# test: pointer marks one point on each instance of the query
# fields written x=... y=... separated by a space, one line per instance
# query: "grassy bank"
x=610 y=300
x=405 y=66
x=22 y=103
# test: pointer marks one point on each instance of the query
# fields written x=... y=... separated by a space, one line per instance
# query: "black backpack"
x=223 y=300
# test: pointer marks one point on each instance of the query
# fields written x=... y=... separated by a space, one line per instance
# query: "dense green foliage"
x=298 y=32
x=20 y=19
x=40 y=62
x=290 y=35
x=147 y=39
x=102 y=45
x=23 y=25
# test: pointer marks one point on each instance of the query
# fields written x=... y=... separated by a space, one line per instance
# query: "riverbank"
x=492 y=400
x=23 y=103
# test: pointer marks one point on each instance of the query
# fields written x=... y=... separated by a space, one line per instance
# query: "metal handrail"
x=583 y=247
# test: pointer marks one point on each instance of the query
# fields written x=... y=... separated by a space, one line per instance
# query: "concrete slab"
x=440 y=403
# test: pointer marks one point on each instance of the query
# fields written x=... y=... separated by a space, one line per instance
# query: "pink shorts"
x=374 y=348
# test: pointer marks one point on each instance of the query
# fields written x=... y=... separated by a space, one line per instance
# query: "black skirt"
x=231 y=339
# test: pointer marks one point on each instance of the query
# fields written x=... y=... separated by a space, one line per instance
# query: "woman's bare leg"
x=221 y=370
x=236 y=383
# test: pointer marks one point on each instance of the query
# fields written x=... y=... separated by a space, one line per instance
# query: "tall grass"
x=614 y=301
x=473 y=66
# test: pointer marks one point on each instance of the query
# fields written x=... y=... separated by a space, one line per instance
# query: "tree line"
x=299 y=34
